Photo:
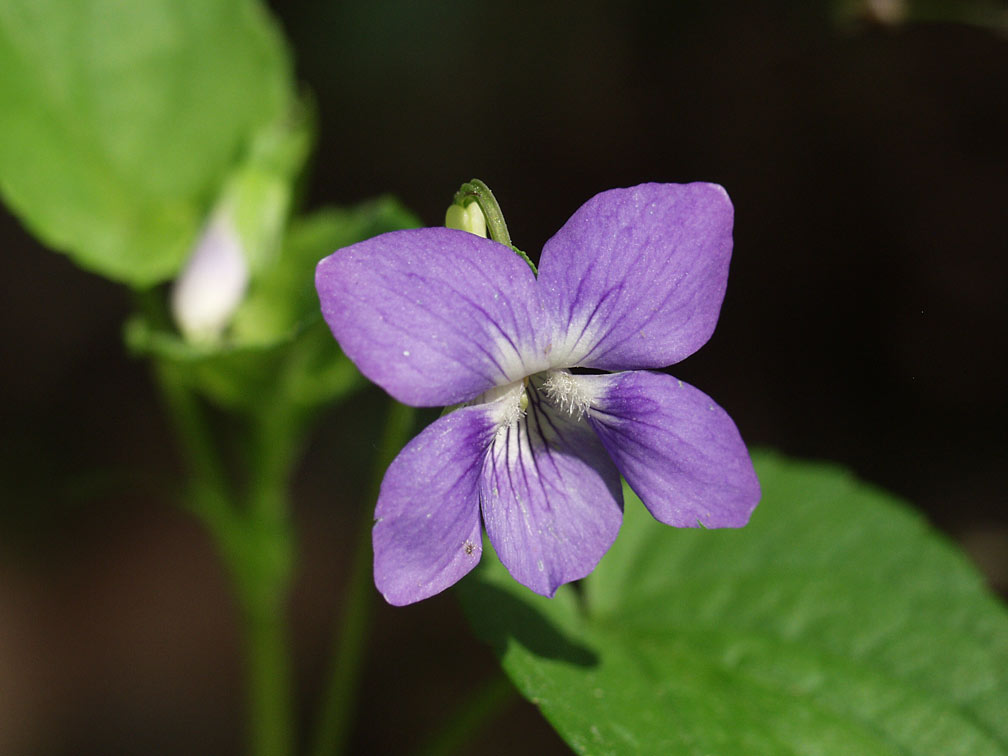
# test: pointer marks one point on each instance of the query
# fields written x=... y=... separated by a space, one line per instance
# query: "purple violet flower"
x=632 y=282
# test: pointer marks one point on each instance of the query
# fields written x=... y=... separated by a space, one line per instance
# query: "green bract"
x=122 y=119
x=836 y=622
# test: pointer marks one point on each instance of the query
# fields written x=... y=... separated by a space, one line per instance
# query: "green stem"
x=253 y=542
x=209 y=495
x=478 y=192
x=255 y=545
x=267 y=654
x=480 y=708
x=263 y=572
x=338 y=702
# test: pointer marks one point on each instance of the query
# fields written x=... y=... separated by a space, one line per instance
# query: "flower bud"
x=212 y=283
x=469 y=218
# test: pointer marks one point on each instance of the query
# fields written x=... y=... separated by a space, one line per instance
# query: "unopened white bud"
x=213 y=282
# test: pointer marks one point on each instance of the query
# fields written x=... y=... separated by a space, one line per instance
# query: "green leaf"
x=121 y=119
x=837 y=622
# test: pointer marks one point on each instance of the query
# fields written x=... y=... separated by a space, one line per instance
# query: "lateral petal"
x=676 y=448
x=427 y=521
x=551 y=497
x=636 y=277
x=434 y=316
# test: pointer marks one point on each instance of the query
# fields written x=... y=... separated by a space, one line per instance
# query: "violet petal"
x=551 y=498
x=435 y=316
x=676 y=448
x=636 y=277
x=427 y=521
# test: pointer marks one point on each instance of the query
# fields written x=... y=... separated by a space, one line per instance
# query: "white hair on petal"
x=567 y=393
x=509 y=402
x=514 y=408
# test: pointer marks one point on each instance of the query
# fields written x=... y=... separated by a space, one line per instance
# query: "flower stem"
x=338 y=702
x=208 y=496
x=269 y=677
x=262 y=572
x=254 y=544
x=253 y=541
x=478 y=192
x=480 y=707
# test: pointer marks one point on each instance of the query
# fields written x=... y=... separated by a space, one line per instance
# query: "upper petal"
x=434 y=316
x=427 y=523
x=551 y=498
x=676 y=448
x=636 y=277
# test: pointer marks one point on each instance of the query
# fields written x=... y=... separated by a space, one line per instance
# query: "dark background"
x=865 y=323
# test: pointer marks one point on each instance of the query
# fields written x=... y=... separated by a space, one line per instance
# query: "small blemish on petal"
x=468 y=547
x=405 y=353
x=541 y=566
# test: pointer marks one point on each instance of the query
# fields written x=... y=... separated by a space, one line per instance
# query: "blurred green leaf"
x=279 y=349
x=837 y=622
x=121 y=119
